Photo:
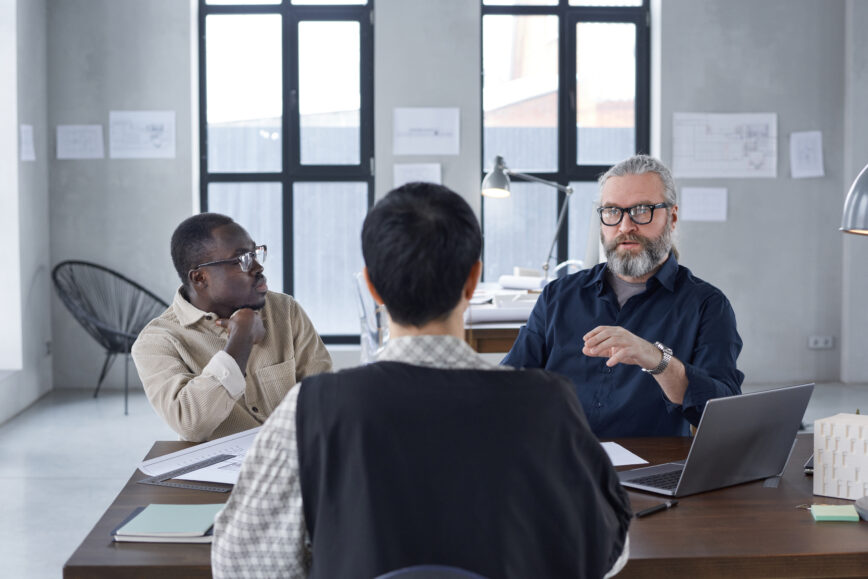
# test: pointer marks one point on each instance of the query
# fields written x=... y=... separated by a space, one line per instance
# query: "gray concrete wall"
x=854 y=312
x=108 y=55
x=23 y=387
x=778 y=257
x=427 y=54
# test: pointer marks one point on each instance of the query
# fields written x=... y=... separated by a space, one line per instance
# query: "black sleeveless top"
x=493 y=471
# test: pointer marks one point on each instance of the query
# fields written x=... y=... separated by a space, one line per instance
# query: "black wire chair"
x=110 y=307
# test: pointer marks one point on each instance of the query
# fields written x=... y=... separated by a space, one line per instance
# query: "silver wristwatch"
x=667 y=355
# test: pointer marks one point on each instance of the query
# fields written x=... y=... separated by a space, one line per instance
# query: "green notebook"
x=169 y=524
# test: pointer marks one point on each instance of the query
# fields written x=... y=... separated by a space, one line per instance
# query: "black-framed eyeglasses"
x=640 y=214
x=245 y=260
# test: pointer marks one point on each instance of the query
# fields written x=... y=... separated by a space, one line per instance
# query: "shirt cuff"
x=225 y=369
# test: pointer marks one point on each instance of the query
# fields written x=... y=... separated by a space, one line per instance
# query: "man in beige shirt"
x=227 y=350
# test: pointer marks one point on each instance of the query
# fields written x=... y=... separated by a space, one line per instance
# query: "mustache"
x=629 y=237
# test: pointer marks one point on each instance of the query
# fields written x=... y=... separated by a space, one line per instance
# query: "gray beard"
x=653 y=252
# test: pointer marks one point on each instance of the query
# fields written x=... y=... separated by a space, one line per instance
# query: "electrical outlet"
x=821 y=342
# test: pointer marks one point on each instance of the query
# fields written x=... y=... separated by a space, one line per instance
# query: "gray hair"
x=639 y=165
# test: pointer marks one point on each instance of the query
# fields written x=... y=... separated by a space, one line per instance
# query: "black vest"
x=494 y=471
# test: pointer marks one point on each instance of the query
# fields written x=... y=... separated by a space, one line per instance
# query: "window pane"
x=244 y=84
x=242 y=3
x=329 y=92
x=584 y=230
x=520 y=2
x=519 y=229
x=327 y=226
x=520 y=91
x=258 y=208
x=327 y=2
x=606 y=99
x=605 y=2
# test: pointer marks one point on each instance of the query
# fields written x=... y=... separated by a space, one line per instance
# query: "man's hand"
x=620 y=347
x=244 y=323
x=245 y=329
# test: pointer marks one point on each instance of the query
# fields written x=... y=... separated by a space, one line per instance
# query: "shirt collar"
x=433 y=351
x=187 y=313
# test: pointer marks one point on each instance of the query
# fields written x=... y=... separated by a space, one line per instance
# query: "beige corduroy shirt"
x=200 y=391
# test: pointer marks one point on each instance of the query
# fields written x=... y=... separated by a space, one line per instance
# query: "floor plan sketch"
x=725 y=145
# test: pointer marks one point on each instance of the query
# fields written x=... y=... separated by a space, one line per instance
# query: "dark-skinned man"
x=227 y=350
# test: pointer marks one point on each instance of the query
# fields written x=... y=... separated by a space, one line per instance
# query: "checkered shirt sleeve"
x=261 y=531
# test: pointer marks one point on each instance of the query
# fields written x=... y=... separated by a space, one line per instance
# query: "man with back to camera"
x=430 y=455
x=645 y=342
x=227 y=350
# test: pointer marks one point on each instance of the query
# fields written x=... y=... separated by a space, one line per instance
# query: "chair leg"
x=126 y=384
x=109 y=359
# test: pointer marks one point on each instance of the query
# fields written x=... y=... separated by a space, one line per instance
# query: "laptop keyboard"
x=666 y=480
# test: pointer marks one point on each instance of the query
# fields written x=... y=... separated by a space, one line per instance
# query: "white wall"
x=108 y=55
x=27 y=203
x=778 y=256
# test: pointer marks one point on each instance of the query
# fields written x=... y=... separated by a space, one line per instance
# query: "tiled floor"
x=64 y=460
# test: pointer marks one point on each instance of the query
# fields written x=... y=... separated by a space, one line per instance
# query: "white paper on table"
x=490 y=313
x=234 y=444
x=702 y=204
x=80 y=142
x=725 y=145
x=142 y=134
x=620 y=456
x=25 y=143
x=426 y=131
x=806 y=154
x=410 y=172
x=525 y=282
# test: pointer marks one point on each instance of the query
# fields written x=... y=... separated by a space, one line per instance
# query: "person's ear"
x=198 y=279
x=472 y=280
x=674 y=215
x=371 y=288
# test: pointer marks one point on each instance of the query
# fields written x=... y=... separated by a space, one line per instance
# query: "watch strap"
x=664 y=362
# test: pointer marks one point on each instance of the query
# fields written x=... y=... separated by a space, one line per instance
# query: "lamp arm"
x=526 y=177
x=567 y=192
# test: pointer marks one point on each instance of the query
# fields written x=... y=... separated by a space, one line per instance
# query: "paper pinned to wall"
x=142 y=134
x=806 y=154
x=725 y=145
x=25 y=143
x=426 y=131
x=409 y=172
x=80 y=142
x=702 y=204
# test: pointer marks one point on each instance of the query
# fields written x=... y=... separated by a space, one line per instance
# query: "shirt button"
x=225 y=374
x=599 y=404
x=255 y=409
x=207 y=317
x=607 y=370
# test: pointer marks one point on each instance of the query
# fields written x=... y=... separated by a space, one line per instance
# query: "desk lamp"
x=855 y=218
x=496 y=186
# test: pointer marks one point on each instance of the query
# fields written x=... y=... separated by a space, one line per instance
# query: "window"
x=286 y=141
x=565 y=96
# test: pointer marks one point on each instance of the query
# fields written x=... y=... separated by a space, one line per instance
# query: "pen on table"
x=656 y=508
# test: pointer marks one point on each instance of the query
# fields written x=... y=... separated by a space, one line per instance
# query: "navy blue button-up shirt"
x=678 y=309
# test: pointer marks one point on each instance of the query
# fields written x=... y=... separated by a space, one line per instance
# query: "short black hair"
x=190 y=241
x=419 y=243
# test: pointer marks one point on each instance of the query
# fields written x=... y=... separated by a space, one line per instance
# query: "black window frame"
x=292 y=171
x=568 y=17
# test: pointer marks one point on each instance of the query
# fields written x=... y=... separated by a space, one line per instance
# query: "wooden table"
x=742 y=531
x=492 y=338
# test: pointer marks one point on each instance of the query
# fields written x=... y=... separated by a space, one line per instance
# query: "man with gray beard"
x=645 y=342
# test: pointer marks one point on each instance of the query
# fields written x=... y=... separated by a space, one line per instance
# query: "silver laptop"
x=739 y=439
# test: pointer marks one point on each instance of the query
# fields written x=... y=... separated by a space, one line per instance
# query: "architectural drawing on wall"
x=426 y=131
x=725 y=145
x=142 y=134
x=806 y=154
